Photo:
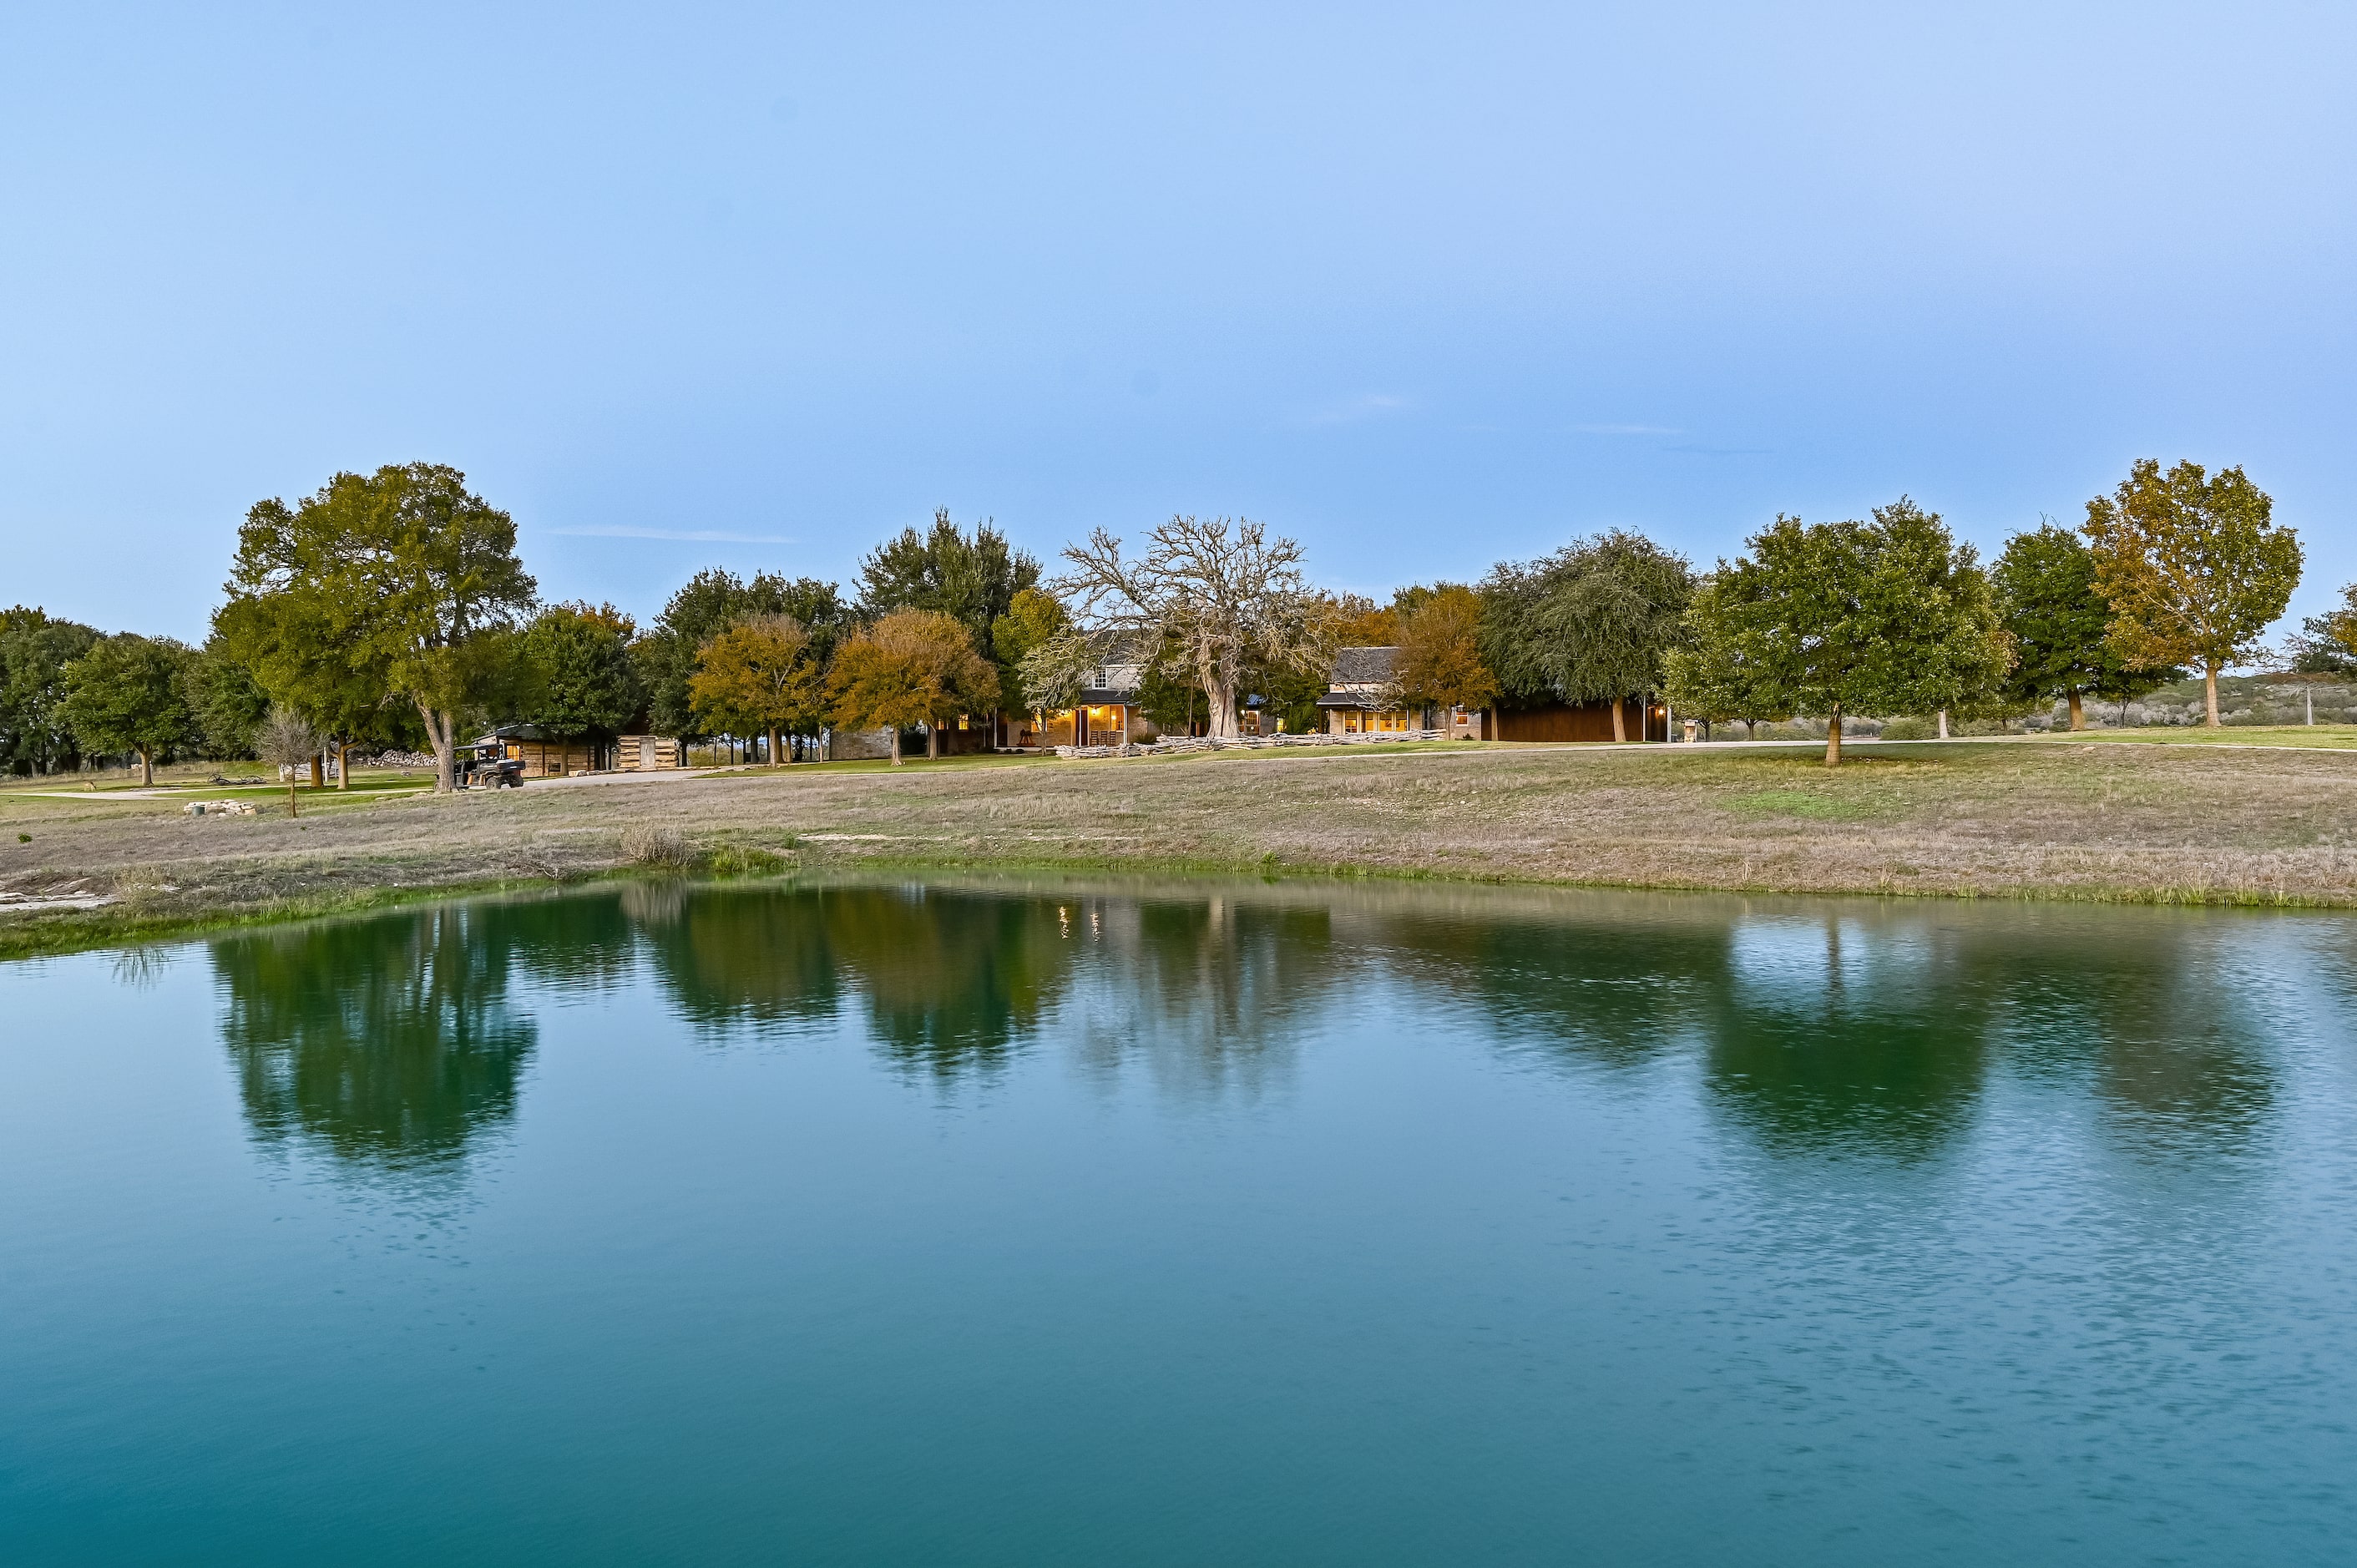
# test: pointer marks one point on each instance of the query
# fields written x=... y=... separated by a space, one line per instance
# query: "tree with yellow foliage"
x=757 y=676
x=1439 y=661
x=911 y=667
x=2195 y=568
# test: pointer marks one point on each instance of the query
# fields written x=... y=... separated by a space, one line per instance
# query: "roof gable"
x=1363 y=666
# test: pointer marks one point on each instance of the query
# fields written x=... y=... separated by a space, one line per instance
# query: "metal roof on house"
x=1362 y=666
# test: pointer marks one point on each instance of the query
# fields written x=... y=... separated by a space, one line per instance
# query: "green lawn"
x=2319 y=737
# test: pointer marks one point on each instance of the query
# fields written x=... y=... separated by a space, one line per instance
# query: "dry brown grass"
x=2157 y=824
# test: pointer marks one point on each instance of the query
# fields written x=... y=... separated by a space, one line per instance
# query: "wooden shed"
x=645 y=753
x=1583 y=721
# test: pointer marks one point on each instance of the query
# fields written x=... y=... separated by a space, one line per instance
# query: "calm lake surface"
x=1185 y=1223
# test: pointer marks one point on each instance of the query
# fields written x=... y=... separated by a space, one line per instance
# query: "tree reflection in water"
x=1877 y=1031
x=2152 y=1011
x=1820 y=1029
x=735 y=958
x=1830 y=1034
x=387 y=1042
x=949 y=982
x=1208 y=995
x=1546 y=979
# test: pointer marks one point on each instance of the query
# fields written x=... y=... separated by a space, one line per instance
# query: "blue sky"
x=1425 y=287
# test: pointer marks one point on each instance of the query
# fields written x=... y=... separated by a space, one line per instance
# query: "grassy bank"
x=2175 y=823
x=2305 y=737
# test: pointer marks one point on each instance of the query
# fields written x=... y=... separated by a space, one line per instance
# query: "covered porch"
x=1110 y=722
x=1350 y=712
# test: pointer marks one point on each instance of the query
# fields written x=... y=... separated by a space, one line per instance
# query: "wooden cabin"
x=1359 y=701
x=1357 y=697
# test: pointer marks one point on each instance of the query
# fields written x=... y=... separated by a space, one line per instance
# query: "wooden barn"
x=1642 y=720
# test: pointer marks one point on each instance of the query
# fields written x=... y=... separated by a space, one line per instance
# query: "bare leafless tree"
x=1054 y=673
x=1227 y=601
x=286 y=740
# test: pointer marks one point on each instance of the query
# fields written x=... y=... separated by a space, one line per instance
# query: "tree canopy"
x=2195 y=568
x=2060 y=625
x=584 y=680
x=35 y=650
x=756 y=677
x=1844 y=617
x=707 y=605
x=127 y=694
x=1360 y=622
x=911 y=667
x=1591 y=623
x=1033 y=620
x=404 y=578
x=1439 y=661
x=292 y=636
x=1716 y=672
x=2327 y=644
x=226 y=701
x=972 y=577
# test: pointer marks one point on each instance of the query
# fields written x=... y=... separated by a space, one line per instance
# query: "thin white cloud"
x=684 y=535
x=1627 y=430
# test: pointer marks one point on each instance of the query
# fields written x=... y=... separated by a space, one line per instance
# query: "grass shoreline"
x=2240 y=827
x=114 y=926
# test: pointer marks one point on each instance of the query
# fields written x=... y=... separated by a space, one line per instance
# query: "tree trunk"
x=773 y=746
x=343 y=765
x=896 y=744
x=1619 y=722
x=1944 y=724
x=1833 y=740
x=2210 y=693
x=148 y=769
x=319 y=769
x=1220 y=698
x=933 y=739
x=441 y=730
x=2078 y=714
x=292 y=810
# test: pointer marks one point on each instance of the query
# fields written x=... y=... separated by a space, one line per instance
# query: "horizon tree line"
x=391 y=608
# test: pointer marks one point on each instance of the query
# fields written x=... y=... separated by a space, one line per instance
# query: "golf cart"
x=487 y=765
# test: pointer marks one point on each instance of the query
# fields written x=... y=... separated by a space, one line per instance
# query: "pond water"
x=1184 y=1223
